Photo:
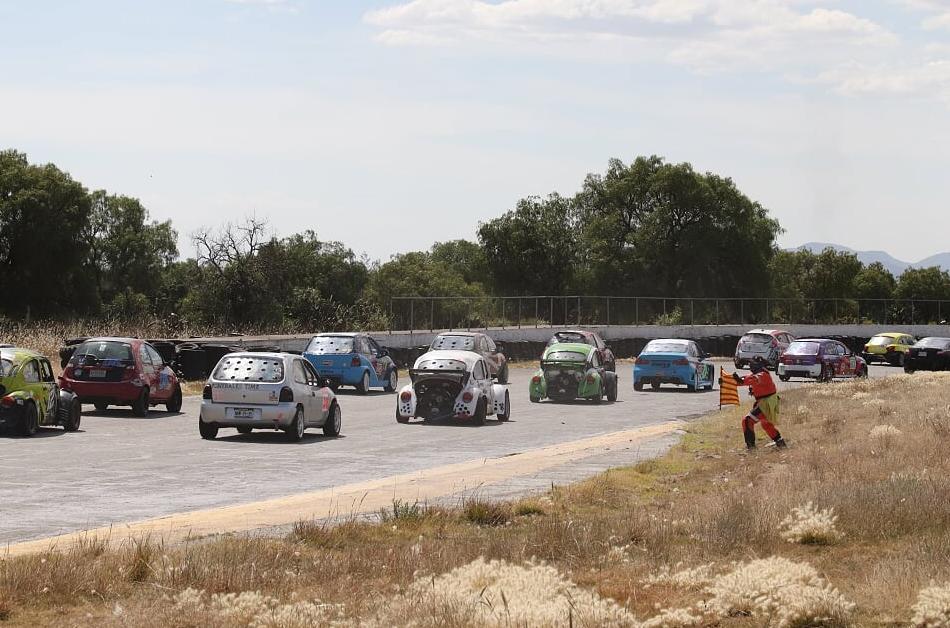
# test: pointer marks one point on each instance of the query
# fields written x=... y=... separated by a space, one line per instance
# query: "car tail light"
x=68 y=371
x=782 y=359
x=681 y=362
x=406 y=396
x=467 y=397
x=355 y=361
x=286 y=395
x=536 y=379
x=590 y=379
x=7 y=402
x=206 y=393
x=641 y=361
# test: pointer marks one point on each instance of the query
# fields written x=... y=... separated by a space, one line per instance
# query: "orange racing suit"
x=764 y=410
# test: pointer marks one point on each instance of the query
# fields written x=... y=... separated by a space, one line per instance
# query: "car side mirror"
x=324 y=382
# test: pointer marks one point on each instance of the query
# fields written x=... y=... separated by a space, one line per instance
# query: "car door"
x=164 y=387
x=848 y=362
x=482 y=376
x=49 y=391
x=34 y=387
x=148 y=372
x=362 y=346
x=305 y=392
x=376 y=359
x=320 y=393
x=495 y=359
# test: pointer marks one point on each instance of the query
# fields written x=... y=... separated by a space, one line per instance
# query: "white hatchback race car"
x=267 y=391
x=452 y=385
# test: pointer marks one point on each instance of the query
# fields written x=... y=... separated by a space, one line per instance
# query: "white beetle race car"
x=452 y=385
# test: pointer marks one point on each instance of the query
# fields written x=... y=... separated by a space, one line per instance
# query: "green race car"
x=571 y=370
x=30 y=396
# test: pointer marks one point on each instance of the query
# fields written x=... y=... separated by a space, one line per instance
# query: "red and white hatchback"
x=121 y=372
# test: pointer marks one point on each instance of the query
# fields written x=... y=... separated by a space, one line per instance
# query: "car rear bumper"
x=275 y=416
x=11 y=417
x=799 y=370
x=104 y=392
x=679 y=375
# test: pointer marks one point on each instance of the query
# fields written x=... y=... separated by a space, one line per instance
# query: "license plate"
x=244 y=413
x=97 y=373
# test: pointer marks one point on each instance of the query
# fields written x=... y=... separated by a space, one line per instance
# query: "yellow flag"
x=728 y=389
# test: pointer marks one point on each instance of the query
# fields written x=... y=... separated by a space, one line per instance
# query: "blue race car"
x=673 y=361
x=352 y=360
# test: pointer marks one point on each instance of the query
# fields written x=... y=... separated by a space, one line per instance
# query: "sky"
x=392 y=124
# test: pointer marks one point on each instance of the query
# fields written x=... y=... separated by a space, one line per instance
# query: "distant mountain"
x=891 y=263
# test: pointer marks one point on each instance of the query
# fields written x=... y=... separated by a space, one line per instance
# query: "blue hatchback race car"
x=673 y=361
x=352 y=359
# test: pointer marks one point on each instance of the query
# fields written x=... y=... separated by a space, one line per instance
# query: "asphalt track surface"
x=121 y=468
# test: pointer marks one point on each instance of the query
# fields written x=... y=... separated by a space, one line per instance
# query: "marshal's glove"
x=736 y=377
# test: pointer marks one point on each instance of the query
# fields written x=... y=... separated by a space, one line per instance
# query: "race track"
x=120 y=468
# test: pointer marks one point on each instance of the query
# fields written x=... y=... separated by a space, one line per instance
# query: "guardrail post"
x=692 y=313
x=911 y=312
x=608 y=311
x=412 y=315
x=578 y=311
x=636 y=311
x=431 y=314
x=717 y=311
x=766 y=311
x=503 y=312
x=741 y=310
x=551 y=320
x=519 y=312
x=535 y=312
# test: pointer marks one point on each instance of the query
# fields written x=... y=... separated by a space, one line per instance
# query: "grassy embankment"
x=699 y=532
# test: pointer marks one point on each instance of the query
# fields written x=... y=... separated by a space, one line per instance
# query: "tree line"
x=647 y=228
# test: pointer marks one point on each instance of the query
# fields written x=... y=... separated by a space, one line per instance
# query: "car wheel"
x=334 y=421
x=208 y=431
x=70 y=415
x=101 y=407
x=245 y=430
x=503 y=374
x=297 y=427
x=785 y=378
x=908 y=368
x=612 y=391
x=637 y=386
x=655 y=385
x=696 y=386
x=503 y=416
x=363 y=387
x=31 y=420
x=140 y=405
x=900 y=359
x=480 y=411
x=392 y=381
x=400 y=418
x=534 y=399
x=174 y=402
x=863 y=374
x=826 y=374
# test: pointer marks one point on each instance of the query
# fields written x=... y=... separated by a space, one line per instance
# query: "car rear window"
x=324 y=345
x=757 y=338
x=933 y=343
x=6 y=367
x=881 y=341
x=250 y=368
x=103 y=352
x=665 y=346
x=568 y=336
x=439 y=364
x=565 y=356
x=803 y=348
x=447 y=341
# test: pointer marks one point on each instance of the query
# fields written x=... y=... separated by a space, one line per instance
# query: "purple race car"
x=821 y=359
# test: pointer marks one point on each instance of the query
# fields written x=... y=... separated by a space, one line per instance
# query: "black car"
x=588 y=338
x=929 y=354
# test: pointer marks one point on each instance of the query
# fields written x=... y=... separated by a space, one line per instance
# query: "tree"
x=931 y=285
x=464 y=257
x=532 y=249
x=42 y=261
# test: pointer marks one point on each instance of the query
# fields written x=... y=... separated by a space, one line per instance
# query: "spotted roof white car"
x=267 y=391
x=452 y=385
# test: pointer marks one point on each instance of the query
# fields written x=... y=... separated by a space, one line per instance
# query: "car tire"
x=655 y=385
x=638 y=386
x=31 y=420
x=900 y=359
x=908 y=369
x=245 y=430
x=297 y=427
x=140 y=406
x=695 y=386
x=826 y=374
x=504 y=416
x=534 y=399
x=174 y=402
x=612 y=390
x=392 y=380
x=400 y=418
x=503 y=374
x=101 y=407
x=208 y=431
x=864 y=372
x=363 y=386
x=334 y=421
x=70 y=415
x=785 y=378
x=481 y=410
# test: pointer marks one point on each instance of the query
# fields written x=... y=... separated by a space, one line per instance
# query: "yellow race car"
x=888 y=347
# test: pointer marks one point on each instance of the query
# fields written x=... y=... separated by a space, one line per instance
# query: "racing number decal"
x=706 y=373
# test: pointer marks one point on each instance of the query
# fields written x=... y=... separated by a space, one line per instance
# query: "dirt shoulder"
x=708 y=532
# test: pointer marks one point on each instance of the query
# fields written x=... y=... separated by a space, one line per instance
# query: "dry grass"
x=697 y=533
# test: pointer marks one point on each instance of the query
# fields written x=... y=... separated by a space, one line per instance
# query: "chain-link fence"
x=431 y=313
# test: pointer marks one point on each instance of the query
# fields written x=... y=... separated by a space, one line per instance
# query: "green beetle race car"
x=30 y=396
x=571 y=370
